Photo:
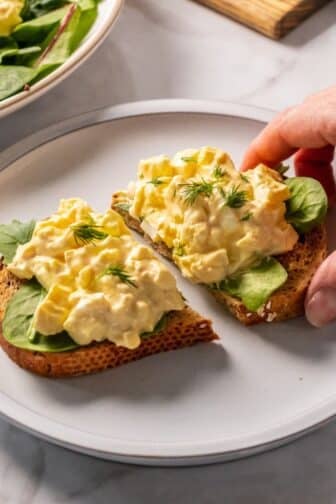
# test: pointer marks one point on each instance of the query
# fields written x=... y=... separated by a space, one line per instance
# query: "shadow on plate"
x=165 y=376
x=297 y=337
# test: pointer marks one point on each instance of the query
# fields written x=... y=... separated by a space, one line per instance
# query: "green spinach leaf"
x=70 y=39
x=12 y=235
x=79 y=25
x=88 y=15
x=6 y=42
x=36 y=8
x=86 y=4
x=18 y=321
x=7 y=46
x=255 y=286
x=35 y=31
x=20 y=56
x=13 y=79
x=308 y=204
x=161 y=324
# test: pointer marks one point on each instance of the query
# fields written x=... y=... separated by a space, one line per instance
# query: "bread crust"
x=288 y=301
x=183 y=328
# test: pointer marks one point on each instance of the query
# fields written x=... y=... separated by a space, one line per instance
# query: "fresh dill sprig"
x=188 y=159
x=244 y=178
x=282 y=168
x=119 y=272
x=247 y=216
x=195 y=189
x=218 y=172
x=179 y=250
x=156 y=181
x=85 y=233
x=234 y=198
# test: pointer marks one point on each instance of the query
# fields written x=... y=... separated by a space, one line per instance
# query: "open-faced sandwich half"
x=254 y=239
x=78 y=294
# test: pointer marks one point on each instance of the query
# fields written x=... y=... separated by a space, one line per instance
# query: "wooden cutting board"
x=273 y=18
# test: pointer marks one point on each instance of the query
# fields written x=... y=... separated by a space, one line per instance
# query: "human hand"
x=308 y=131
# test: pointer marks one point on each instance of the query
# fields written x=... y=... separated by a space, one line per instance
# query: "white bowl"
x=107 y=14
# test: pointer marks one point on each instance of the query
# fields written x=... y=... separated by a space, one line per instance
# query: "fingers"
x=321 y=310
x=270 y=147
x=321 y=297
x=316 y=163
x=323 y=155
x=310 y=125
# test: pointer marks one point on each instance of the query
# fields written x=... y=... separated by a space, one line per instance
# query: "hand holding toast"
x=307 y=130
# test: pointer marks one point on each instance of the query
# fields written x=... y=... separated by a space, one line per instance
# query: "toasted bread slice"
x=183 y=328
x=288 y=301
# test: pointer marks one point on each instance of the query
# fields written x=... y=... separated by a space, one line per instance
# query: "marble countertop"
x=178 y=49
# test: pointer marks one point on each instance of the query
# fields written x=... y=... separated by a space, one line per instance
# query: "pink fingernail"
x=321 y=308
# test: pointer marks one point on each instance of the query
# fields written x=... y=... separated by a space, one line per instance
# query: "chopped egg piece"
x=216 y=220
x=9 y=15
x=101 y=284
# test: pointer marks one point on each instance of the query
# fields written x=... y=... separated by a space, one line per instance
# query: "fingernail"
x=321 y=308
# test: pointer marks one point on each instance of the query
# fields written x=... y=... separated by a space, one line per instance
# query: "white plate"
x=259 y=388
x=108 y=11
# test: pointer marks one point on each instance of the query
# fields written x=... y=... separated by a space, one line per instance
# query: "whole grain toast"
x=288 y=301
x=183 y=328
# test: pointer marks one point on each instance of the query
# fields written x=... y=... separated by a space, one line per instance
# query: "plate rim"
x=128 y=110
x=21 y=99
x=135 y=452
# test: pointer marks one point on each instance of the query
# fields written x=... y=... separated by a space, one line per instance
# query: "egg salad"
x=216 y=221
x=100 y=283
x=9 y=15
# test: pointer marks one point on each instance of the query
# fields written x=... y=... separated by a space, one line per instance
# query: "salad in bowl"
x=38 y=37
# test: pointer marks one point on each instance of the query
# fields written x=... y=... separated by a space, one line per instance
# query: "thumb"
x=321 y=296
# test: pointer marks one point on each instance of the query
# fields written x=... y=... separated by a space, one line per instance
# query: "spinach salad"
x=38 y=36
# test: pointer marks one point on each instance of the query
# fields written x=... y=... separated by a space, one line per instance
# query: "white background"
x=162 y=49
